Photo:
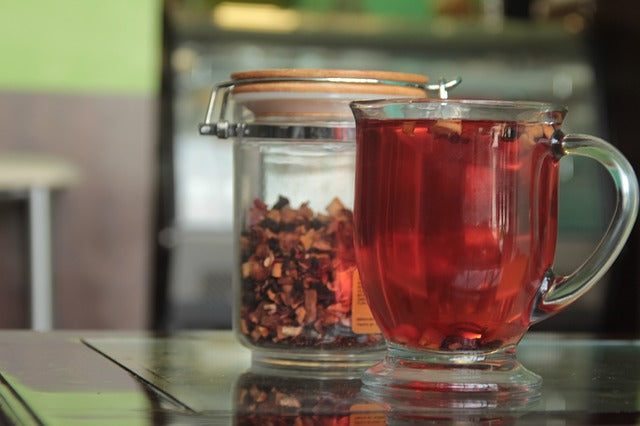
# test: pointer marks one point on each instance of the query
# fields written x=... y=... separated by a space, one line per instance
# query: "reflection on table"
x=207 y=377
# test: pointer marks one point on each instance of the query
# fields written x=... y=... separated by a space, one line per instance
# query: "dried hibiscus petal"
x=297 y=269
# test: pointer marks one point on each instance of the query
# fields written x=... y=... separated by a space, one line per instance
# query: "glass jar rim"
x=478 y=103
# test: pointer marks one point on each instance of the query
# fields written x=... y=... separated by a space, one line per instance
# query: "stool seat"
x=37 y=175
x=26 y=170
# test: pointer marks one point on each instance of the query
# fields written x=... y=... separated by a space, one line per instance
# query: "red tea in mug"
x=456 y=225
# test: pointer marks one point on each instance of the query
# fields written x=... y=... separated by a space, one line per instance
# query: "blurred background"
x=112 y=92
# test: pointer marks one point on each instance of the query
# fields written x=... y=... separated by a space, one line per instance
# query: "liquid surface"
x=455 y=227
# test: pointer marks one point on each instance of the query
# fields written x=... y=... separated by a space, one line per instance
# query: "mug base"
x=456 y=380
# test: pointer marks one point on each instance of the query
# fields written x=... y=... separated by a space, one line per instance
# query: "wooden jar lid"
x=322 y=87
x=318 y=101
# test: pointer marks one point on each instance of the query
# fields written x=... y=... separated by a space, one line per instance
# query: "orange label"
x=362 y=321
x=366 y=415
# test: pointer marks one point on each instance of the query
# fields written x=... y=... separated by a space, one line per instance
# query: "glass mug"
x=455 y=234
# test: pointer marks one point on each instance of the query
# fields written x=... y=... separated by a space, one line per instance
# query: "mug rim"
x=515 y=105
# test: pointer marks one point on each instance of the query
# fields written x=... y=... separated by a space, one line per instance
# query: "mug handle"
x=557 y=292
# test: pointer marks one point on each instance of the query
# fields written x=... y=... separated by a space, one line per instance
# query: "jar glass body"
x=295 y=276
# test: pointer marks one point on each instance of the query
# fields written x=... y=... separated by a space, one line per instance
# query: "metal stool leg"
x=40 y=253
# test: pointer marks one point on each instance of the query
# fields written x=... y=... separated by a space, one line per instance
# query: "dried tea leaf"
x=289 y=401
x=301 y=314
x=274 y=215
x=408 y=128
x=307 y=239
x=310 y=304
x=270 y=308
x=282 y=202
x=284 y=400
x=447 y=128
x=289 y=331
x=276 y=270
x=288 y=215
x=268 y=260
x=244 y=328
x=246 y=269
x=305 y=211
x=335 y=207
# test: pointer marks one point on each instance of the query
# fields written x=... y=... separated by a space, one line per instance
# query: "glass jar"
x=298 y=300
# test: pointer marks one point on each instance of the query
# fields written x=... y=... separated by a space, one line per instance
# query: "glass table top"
x=207 y=378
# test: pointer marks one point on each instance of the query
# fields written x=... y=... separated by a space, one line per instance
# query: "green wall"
x=96 y=46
